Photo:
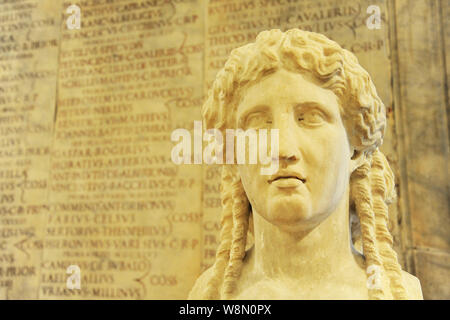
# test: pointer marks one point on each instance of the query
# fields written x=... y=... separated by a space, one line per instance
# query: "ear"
x=357 y=159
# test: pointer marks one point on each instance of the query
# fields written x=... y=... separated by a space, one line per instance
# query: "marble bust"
x=331 y=123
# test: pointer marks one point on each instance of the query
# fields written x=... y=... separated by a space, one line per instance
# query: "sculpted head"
x=325 y=106
x=315 y=156
x=331 y=123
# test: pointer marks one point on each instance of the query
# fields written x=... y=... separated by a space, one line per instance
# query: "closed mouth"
x=287 y=177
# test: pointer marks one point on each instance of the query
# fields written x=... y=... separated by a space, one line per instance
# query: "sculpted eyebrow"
x=314 y=104
x=310 y=104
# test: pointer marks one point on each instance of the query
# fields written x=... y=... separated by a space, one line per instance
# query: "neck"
x=320 y=253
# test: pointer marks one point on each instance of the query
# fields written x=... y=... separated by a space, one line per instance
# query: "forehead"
x=286 y=88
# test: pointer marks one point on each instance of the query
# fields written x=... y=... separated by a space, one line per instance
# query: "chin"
x=296 y=226
x=291 y=214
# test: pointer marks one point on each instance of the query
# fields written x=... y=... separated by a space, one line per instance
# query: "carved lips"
x=287 y=179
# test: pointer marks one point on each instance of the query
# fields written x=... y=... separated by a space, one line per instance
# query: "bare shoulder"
x=412 y=286
x=198 y=291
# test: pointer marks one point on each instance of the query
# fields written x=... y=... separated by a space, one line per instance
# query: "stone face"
x=86 y=117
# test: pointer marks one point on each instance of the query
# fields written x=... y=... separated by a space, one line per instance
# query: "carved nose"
x=288 y=158
x=288 y=149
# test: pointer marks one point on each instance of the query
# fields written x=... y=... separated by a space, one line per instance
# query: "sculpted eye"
x=258 y=120
x=311 y=117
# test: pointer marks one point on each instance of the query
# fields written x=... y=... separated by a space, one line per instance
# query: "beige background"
x=85 y=121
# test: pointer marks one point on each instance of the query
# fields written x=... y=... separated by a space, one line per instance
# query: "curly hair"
x=363 y=114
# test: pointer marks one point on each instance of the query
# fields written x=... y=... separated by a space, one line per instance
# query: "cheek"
x=329 y=159
x=250 y=180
